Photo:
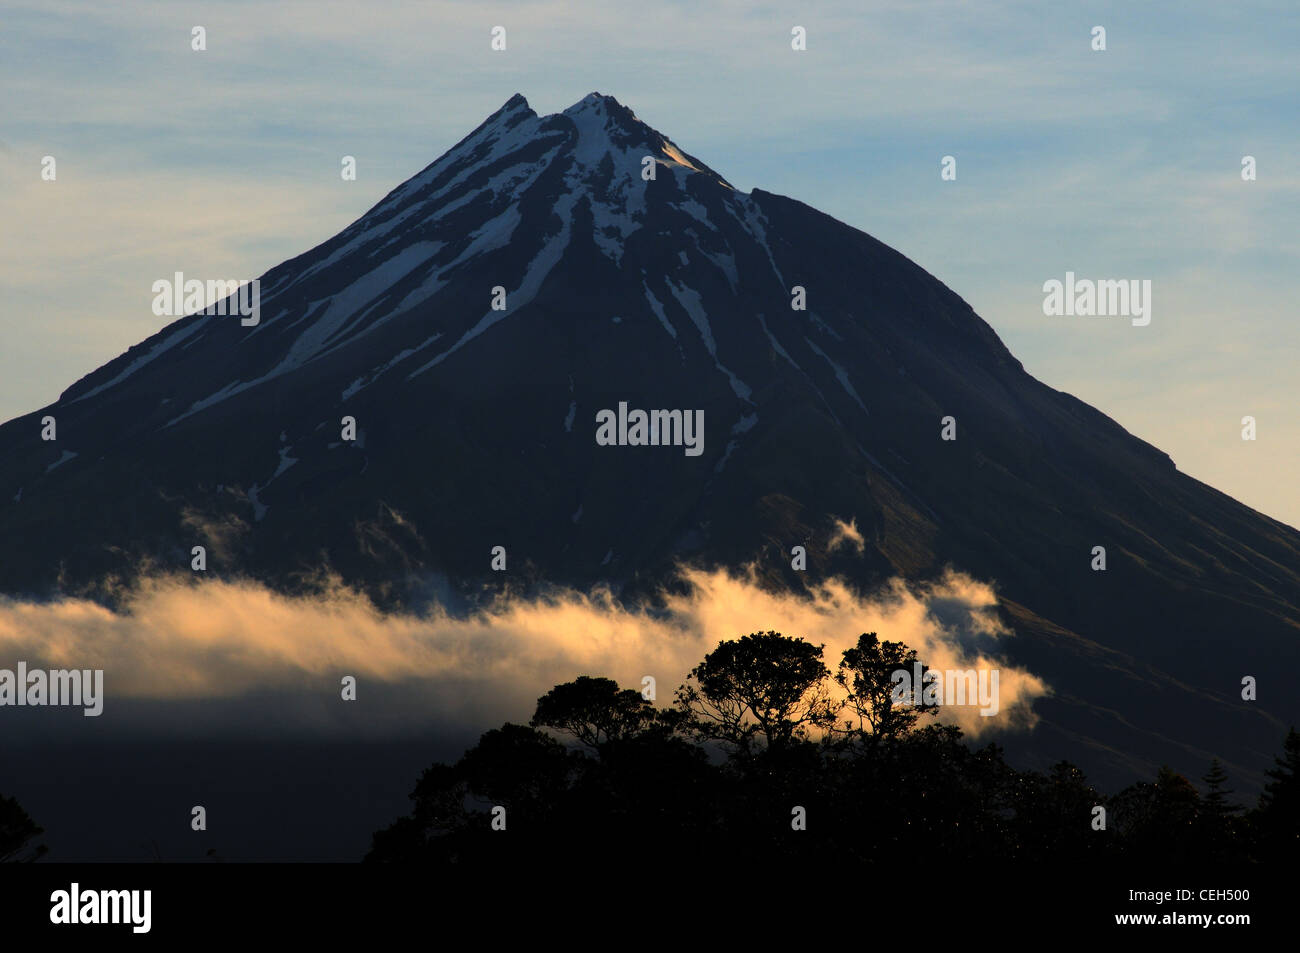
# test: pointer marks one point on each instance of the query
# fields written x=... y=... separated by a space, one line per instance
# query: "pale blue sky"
x=1122 y=164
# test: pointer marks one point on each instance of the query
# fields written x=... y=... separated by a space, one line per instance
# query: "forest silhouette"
x=760 y=761
x=766 y=756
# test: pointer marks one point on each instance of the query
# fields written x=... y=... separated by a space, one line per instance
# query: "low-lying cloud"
x=213 y=646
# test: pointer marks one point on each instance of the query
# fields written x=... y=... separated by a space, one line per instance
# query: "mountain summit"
x=476 y=324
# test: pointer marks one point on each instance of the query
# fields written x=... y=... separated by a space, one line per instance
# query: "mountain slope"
x=476 y=427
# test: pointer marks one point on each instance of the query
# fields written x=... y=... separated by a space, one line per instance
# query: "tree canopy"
x=766 y=754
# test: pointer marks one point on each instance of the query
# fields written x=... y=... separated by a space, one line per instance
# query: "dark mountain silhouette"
x=476 y=428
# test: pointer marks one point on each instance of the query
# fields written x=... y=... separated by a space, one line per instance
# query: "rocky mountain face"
x=477 y=322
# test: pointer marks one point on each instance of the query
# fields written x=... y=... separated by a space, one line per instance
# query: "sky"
x=1116 y=164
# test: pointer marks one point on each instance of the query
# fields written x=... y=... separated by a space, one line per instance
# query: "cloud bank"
x=208 y=646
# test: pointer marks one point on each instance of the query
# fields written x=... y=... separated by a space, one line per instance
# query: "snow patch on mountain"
x=259 y=508
x=690 y=301
x=657 y=307
x=493 y=234
x=536 y=273
x=756 y=224
x=741 y=426
x=512 y=126
x=313 y=342
x=674 y=155
x=696 y=211
x=776 y=345
x=230 y=390
x=286 y=462
x=67 y=455
x=841 y=375
x=617 y=206
x=162 y=347
x=362 y=382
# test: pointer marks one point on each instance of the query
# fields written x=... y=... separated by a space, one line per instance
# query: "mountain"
x=476 y=427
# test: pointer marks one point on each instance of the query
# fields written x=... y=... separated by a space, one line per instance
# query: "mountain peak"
x=594 y=99
x=606 y=125
x=512 y=111
x=491 y=195
x=603 y=106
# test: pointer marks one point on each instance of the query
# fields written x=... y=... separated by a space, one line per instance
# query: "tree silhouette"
x=1216 y=802
x=17 y=833
x=515 y=767
x=1278 y=816
x=762 y=685
x=1221 y=826
x=866 y=673
x=594 y=711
